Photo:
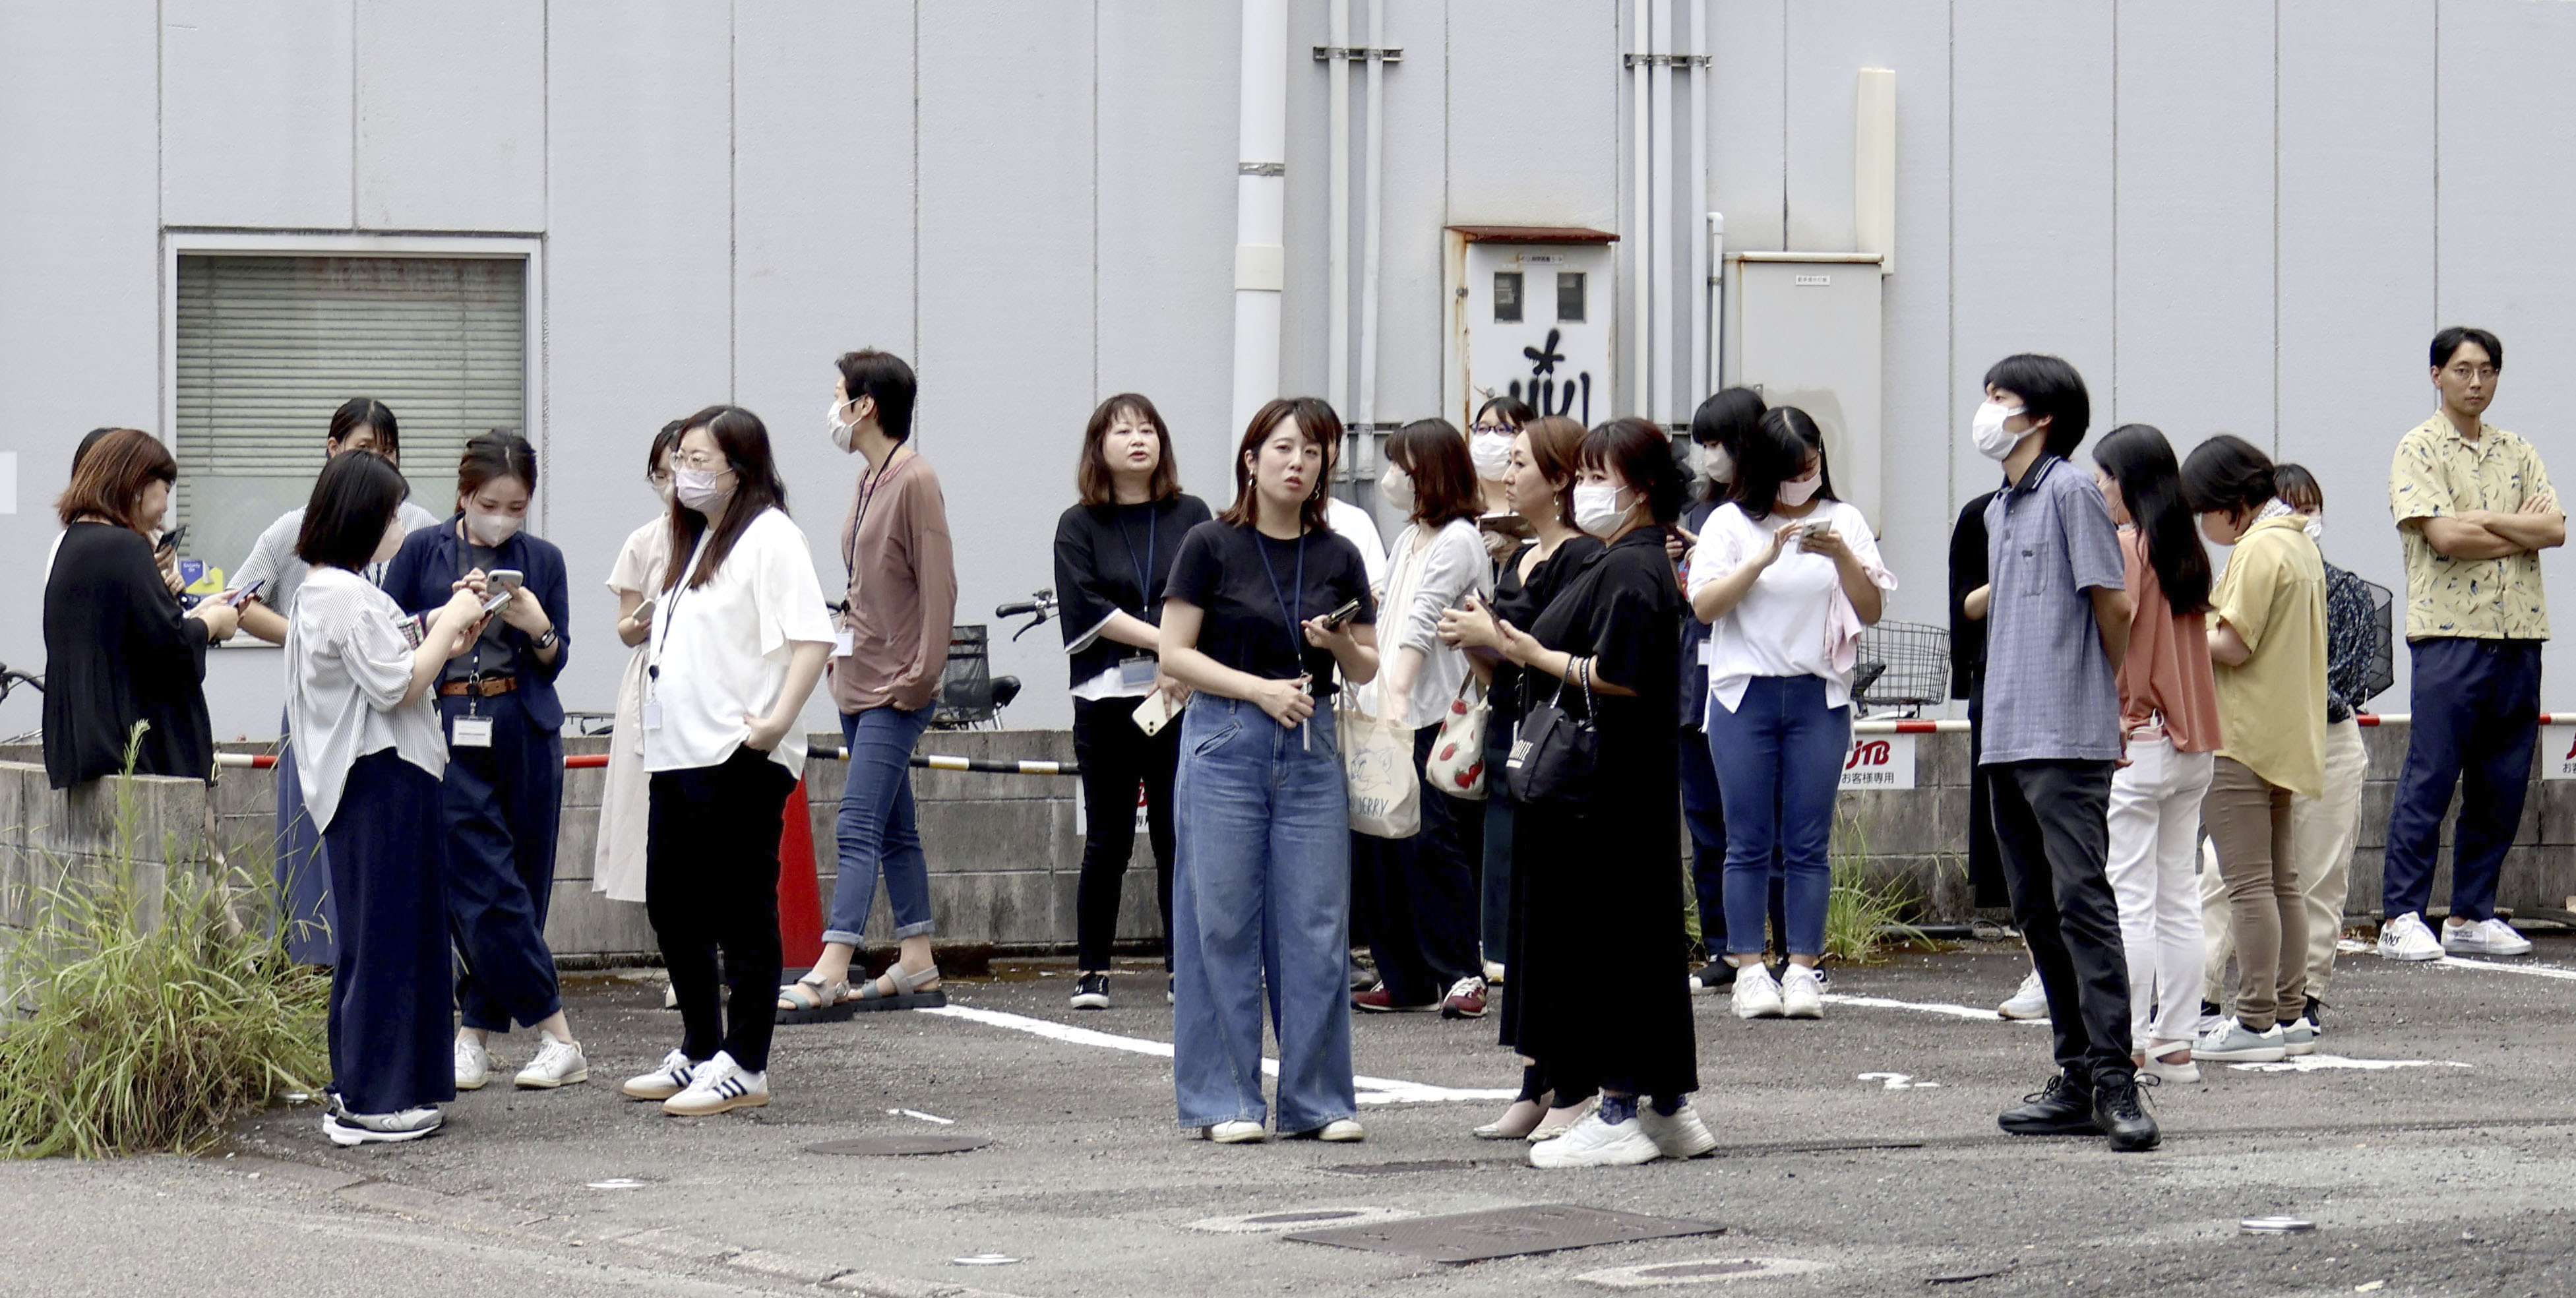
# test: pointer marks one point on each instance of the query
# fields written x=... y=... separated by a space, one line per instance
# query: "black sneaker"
x=1715 y=976
x=2120 y=1112
x=1091 y=991
x=2064 y=1107
x=2310 y=1014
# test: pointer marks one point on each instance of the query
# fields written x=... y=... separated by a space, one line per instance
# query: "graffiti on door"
x=1547 y=392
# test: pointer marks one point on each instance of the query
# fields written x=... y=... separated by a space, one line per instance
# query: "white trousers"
x=2155 y=823
x=2324 y=832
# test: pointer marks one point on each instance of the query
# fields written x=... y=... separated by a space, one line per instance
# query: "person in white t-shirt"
x=1786 y=576
x=739 y=639
x=617 y=864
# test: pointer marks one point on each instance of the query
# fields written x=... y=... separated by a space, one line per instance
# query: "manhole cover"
x=884 y=1145
x=1287 y=1219
x=1505 y=1232
x=1705 y=1270
x=1402 y=1169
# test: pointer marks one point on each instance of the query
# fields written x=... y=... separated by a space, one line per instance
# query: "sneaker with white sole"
x=346 y=1129
x=473 y=1064
x=2298 y=1037
x=1466 y=1000
x=2161 y=1067
x=2213 y=1016
x=2235 y=1043
x=1594 y=1143
x=664 y=1082
x=1802 y=994
x=1339 y=1131
x=1756 y=995
x=1236 y=1131
x=1679 y=1134
x=2485 y=937
x=557 y=1063
x=719 y=1086
x=1494 y=972
x=2029 y=1002
x=2405 y=938
x=1091 y=991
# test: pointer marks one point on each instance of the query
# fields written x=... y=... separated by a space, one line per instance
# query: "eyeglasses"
x=700 y=459
x=1505 y=429
x=2463 y=371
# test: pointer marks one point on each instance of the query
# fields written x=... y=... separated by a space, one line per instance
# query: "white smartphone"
x=1154 y=713
x=507 y=578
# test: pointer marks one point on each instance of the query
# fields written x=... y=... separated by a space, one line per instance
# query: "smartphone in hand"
x=507 y=578
x=1155 y=712
x=1333 y=621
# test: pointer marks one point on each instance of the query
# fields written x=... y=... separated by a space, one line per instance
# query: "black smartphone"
x=1333 y=621
x=173 y=539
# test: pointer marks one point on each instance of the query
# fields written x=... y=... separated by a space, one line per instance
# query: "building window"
x=1507 y=296
x=269 y=346
x=1569 y=296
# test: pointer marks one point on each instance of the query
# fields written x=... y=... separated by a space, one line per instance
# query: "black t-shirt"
x=1106 y=561
x=1221 y=569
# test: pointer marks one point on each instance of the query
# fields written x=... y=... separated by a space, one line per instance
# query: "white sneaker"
x=1802 y=994
x=473 y=1064
x=346 y=1128
x=2235 y=1043
x=1342 y=1131
x=2184 y=1073
x=1236 y=1131
x=1594 y=1143
x=2030 y=1002
x=2485 y=937
x=558 y=1063
x=1682 y=1135
x=719 y=1086
x=1494 y=972
x=2406 y=938
x=1756 y=995
x=664 y=1082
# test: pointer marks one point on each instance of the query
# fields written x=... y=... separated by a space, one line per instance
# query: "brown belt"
x=483 y=687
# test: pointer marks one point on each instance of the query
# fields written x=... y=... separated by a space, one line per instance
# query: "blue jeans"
x=1261 y=902
x=2477 y=714
x=876 y=827
x=1779 y=757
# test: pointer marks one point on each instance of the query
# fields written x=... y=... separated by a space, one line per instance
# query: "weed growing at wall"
x=1861 y=916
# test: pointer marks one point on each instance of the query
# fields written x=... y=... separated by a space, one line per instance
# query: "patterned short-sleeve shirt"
x=2440 y=474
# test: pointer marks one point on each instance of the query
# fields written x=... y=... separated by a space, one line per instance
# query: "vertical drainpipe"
x=1337 y=235
x=1660 y=225
x=1374 y=166
x=1260 y=194
x=1640 y=226
x=1703 y=296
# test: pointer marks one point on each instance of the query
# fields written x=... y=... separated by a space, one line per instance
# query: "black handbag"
x=1554 y=753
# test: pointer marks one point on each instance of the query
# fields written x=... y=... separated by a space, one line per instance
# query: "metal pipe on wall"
x=1374 y=164
x=1260 y=195
x=1337 y=238
x=1703 y=296
x=1659 y=226
x=1640 y=226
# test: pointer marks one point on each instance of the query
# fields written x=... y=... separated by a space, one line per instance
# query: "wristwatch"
x=547 y=641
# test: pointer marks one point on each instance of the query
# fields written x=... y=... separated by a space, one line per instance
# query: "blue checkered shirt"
x=2051 y=692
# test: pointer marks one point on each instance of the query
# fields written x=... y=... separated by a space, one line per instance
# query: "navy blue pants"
x=1421 y=893
x=2477 y=715
x=389 y=1026
x=306 y=920
x=503 y=805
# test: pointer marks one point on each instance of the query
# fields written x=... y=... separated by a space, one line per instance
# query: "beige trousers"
x=2325 y=832
x=2249 y=825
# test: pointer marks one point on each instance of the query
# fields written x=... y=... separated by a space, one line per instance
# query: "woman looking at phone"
x=1261 y=902
x=504 y=778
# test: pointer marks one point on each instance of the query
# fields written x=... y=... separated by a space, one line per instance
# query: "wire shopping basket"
x=1902 y=665
x=966 y=684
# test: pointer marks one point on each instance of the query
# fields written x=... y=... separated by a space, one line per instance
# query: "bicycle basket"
x=966 y=684
x=1902 y=664
x=2382 y=672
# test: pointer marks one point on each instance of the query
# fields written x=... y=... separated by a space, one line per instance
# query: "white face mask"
x=662 y=487
x=701 y=489
x=1712 y=462
x=1396 y=486
x=1798 y=491
x=1492 y=453
x=490 y=531
x=845 y=434
x=2317 y=528
x=1994 y=441
x=1596 y=508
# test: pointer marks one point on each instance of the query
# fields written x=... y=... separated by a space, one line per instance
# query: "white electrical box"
x=1804 y=328
x=1531 y=311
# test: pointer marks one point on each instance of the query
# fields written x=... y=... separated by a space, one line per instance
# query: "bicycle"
x=969 y=694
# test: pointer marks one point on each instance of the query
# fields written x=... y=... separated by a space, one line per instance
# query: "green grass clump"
x=141 y=1017
x=1861 y=917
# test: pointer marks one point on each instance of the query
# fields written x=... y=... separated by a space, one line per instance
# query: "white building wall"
x=2232 y=219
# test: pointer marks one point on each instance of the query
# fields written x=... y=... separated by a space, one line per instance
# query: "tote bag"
x=1377 y=761
x=1457 y=763
x=1554 y=755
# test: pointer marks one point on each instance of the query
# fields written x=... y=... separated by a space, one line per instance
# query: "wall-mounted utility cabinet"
x=1531 y=310
x=1804 y=327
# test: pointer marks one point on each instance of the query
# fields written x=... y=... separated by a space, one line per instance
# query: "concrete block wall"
x=50 y=838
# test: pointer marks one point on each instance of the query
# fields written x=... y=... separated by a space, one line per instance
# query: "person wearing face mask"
x=886 y=665
x=1489 y=446
x=504 y=775
x=1786 y=576
x=1718 y=427
x=1422 y=925
x=617 y=863
x=272 y=574
x=1113 y=555
x=359 y=679
x=1591 y=978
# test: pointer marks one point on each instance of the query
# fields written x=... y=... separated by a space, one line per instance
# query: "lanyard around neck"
x=1292 y=613
x=671 y=606
x=1145 y=568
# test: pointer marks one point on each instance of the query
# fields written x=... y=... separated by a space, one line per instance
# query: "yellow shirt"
x=2440 y=474
x=2272 y=707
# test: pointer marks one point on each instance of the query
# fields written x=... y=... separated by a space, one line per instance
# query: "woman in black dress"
x=1600 y=906
x=118 y=650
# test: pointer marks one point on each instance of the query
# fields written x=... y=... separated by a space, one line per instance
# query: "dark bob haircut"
x=368 y=413
x=2227 y=475
x=665 y=442
x=1639 y=454
x=1317 y=423
x=1434 y=452
x=1093 y=479
x=2049 y=389
x=1724 y=419
x=2446 y=345
x=1514 y=411
x=2141 y=461
x=2298 y=488
x=1773 y=452
x=501 y=453
x=109 y=476
x=353 y=502
x=884 y=378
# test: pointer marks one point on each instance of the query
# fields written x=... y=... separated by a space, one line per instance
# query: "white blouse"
x=1787 y=625
x=1452 y=564
x=719 y=653
x=348 y=665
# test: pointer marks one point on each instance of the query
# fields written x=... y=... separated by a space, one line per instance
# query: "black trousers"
x=1115 y=757
x=2050 y=824
x=1422 y=920
x=390 y=1037
x=710 y=885
x=504 y=807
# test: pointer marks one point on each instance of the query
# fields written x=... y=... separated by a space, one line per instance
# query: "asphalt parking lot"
x=2428 y=1141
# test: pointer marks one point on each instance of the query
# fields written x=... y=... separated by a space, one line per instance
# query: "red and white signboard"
x=2558 y=752
x=1879 y=762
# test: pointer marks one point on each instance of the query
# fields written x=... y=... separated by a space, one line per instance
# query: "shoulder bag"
x=1457 y=763
x=1554 y=754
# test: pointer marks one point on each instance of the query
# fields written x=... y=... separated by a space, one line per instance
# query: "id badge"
x=1136 y=672
x=653 y=715
x=470 y=732
x=844 y=642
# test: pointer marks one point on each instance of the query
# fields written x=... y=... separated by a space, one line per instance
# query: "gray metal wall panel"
x=451 y=114
x=255 y=113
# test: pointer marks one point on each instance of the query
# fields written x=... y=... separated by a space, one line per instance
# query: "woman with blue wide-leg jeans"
x=1262 y=901
x=876 y=828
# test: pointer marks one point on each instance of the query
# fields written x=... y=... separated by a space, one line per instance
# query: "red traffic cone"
x=800 y=897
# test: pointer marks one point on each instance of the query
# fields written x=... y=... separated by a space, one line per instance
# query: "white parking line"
x=1925 y=1007
x=1372 y=1090
x=2534 y=970
x=2313 y=1063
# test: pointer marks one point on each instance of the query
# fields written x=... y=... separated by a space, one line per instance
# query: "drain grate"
x=1405 y=1169
x=881 y=1146
x=1505 y=1232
